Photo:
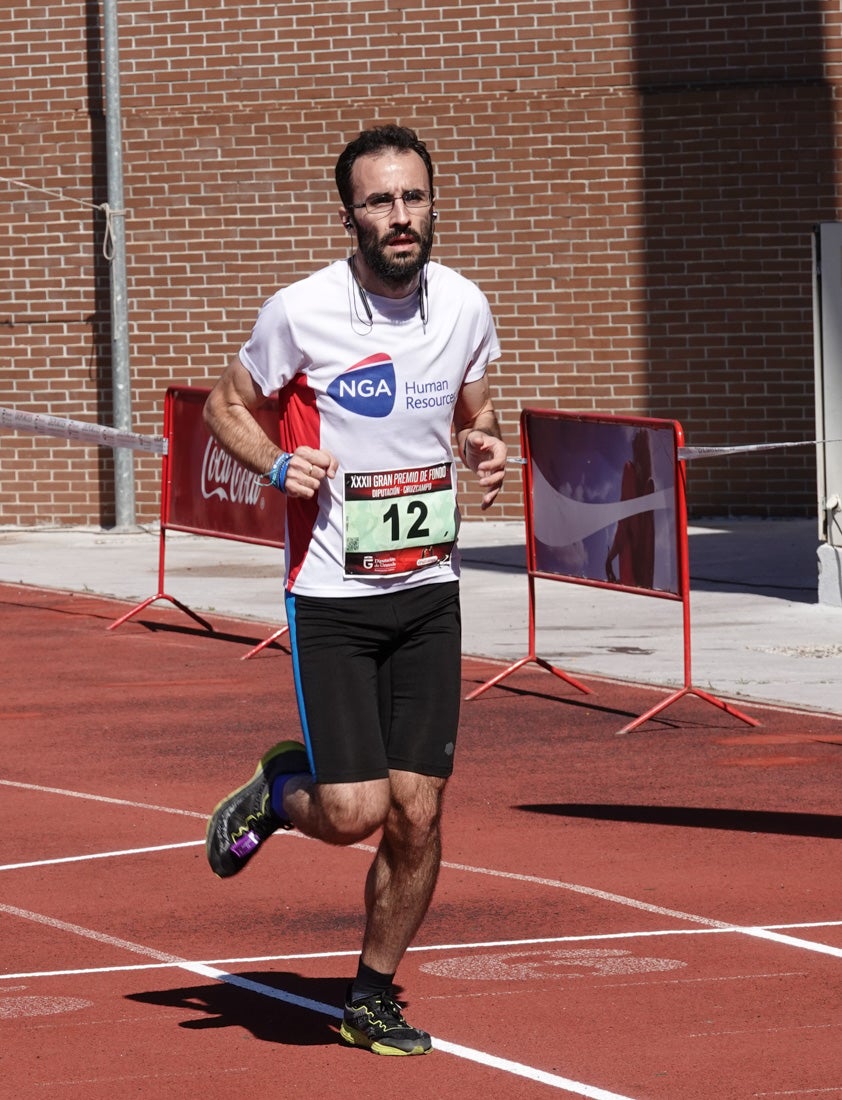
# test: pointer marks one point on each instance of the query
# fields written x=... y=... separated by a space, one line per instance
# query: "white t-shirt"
x=379 y=396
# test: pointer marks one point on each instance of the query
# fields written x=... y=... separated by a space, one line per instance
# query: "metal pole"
x=124 y=498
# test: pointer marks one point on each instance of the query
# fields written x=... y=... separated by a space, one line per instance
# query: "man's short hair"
x=377 y=140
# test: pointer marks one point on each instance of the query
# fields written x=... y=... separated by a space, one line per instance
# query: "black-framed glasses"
x=381 y=205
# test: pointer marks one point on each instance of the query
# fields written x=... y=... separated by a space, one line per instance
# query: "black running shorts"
x=378 y=681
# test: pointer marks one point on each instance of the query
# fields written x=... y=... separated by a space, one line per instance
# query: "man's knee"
x=352 y=811
x=416 y=808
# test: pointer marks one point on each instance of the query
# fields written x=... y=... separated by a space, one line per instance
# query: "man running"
x=377 y=359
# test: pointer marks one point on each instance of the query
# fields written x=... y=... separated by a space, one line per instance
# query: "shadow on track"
x=690 y=817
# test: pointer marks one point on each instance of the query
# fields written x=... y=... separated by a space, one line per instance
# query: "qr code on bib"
x=352 y=544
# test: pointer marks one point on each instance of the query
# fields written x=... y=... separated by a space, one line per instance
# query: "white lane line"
x=593 y=892
x=800 y=1094
x=577 y=1088
x=100 y=855
x=518 y=1069
x=512 y=876
x=480 y=945
x=806 y=924
x=792 y=941
x=304 y=956
x=759 y=932
x=102 y=798
x=88 y=971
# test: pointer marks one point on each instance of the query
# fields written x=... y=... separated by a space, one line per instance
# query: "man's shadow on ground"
x=268 y=1017
x=274 y=1013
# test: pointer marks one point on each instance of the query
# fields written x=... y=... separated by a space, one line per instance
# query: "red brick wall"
x=633 y=186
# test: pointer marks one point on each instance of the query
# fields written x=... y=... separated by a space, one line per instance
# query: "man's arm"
x=229 y=417
x=478 y=437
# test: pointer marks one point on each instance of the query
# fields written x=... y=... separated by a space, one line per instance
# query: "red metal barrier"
x=605 y=505
x=204 y=491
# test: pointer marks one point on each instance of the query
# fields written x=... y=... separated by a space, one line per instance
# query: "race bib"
x=397 y=521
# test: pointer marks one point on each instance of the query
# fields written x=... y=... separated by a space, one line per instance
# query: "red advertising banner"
x=606 y=506
x=204 y=491
x=604 y=500
x=207 y=491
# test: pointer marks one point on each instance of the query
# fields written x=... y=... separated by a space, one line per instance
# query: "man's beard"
x=399 y=270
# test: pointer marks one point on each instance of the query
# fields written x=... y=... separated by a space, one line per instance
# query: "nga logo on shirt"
x=367 y=388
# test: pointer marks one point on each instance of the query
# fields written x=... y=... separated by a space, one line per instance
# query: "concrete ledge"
x=830 y=575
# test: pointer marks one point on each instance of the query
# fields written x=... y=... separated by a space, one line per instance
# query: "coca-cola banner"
x=207 y=491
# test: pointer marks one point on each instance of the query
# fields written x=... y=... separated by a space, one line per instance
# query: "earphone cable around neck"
x=362 y=294
x=423 y=293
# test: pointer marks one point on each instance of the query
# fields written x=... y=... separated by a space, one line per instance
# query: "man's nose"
x=400 y=212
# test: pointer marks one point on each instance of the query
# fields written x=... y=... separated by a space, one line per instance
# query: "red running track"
x=650 y=917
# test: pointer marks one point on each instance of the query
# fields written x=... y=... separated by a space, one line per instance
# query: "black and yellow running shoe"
x=377 y=1024
x=243 y=820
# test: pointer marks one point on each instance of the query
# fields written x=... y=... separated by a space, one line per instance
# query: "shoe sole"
x=225 y=870
x=359 y=1039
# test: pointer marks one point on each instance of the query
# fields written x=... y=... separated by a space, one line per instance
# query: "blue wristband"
x=277 y=476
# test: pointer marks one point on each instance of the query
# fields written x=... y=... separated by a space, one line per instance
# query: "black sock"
x=369 y=982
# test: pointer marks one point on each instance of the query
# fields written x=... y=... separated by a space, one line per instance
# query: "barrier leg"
x=529 y=658
x=519 y=664
x=676 y=695
x=684 y=575
x=266 y=641
x=161 y=596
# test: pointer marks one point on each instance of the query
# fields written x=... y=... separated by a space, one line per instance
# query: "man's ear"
x=346 y=219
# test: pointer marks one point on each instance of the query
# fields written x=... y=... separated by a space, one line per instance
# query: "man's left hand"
x=486 y=455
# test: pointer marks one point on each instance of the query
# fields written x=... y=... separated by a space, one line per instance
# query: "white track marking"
x=590 y=891
x=519 y=1070
x=792 y=941
x=467 y=1053
x=91 y=934
x=799 y=1094
x=24 y=1008
x=87 y=971
x=554 y=964
x=806 y=924
x=576 y=1088
x=634 y=903
x=101 y=855
x=512 y=876
x=303 y=956
x=103 y=798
